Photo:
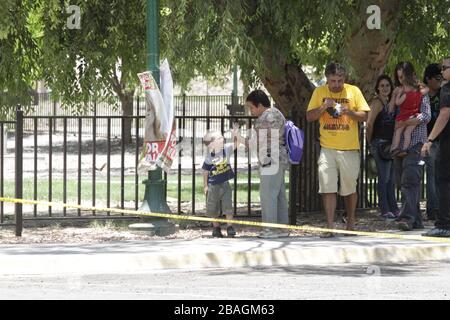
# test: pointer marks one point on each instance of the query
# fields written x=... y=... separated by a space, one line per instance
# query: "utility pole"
x=155 y=187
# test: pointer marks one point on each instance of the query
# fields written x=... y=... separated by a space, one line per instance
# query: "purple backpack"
x=294 y=142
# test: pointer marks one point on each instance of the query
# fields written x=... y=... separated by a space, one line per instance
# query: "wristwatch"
x=430 y=140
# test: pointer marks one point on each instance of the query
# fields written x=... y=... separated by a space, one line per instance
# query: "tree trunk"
x=127 y=110
x=291 y=89
x=126 y=100
x=368 y=50
x=282 y=76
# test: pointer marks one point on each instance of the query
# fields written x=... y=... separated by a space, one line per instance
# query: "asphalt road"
x=424 y=281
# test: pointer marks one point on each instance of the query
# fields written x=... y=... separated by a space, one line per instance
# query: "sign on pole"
x=160 y=129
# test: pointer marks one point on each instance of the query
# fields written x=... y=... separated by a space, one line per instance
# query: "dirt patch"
x=100 y=232
x=48 y=235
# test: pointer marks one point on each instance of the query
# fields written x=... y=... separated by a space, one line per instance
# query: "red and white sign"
x=153 y=149
x=147 y=81
x=169 y=153
x=159 y=121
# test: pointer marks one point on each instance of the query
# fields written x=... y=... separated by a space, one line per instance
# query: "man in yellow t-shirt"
x=338 y=107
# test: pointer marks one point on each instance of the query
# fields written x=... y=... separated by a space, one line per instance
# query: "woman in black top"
x=379 y=133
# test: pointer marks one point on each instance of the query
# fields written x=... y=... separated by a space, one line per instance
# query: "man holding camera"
x=338 y=107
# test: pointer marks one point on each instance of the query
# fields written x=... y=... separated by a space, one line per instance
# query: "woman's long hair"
x=409 y=74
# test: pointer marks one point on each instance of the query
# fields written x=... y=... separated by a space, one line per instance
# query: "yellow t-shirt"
x=339 y=132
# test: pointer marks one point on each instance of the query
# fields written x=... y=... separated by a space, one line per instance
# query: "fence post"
x=54 y=114
x=19 y=170
x=208 y=106
x=184 y=112
x=293 y=176
x=184 y=105
x=137 y=108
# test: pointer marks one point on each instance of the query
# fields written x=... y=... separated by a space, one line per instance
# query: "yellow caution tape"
x=241 y=222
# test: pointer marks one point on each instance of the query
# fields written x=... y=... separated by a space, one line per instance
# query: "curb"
x=98 y=260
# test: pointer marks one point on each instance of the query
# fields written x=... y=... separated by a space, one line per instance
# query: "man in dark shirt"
x=442 y=129
x=433 y=79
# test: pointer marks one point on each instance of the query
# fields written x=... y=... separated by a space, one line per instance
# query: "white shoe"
x=283 y=234
x=268 y=234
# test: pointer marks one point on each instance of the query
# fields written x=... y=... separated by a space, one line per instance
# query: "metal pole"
x=19 y=170
x=155 y=179
x=155 y=185
x=153 y=38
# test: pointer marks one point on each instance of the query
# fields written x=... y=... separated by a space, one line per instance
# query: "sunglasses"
x=438 y=77
x=445 y=68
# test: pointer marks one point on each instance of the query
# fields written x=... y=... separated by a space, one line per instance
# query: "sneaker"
x=432 y=233
x=388 y=215
x=444 y=233
x=404 y=225
x=217 y=233
x=396 y=214
x=436 y=232
x=230 y=231
x=268 y=234
x=283 y=234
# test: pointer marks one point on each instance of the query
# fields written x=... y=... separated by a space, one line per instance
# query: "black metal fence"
x=4 y=126
x=91 y=170
x=206 y=105
x=46 y=106
x=94 y=170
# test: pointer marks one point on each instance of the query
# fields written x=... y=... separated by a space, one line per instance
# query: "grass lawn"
x=129 y=189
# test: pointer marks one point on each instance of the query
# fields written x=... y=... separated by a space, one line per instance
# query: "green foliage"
x=100 y=59
x=199 y=37
x=208 y=37
x=18 y=55
x=423 y=34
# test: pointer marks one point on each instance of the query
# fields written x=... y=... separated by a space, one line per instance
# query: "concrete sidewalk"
x=141 y=256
